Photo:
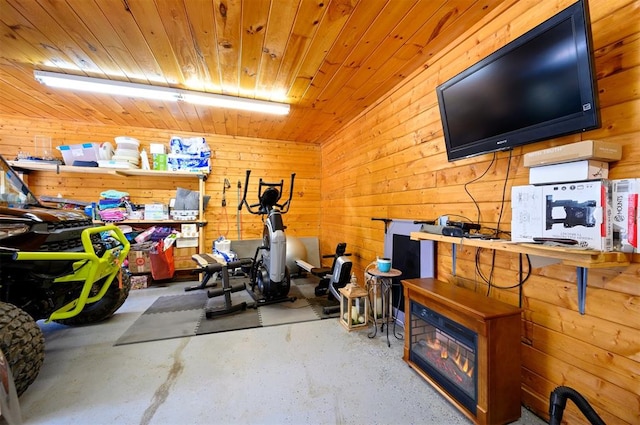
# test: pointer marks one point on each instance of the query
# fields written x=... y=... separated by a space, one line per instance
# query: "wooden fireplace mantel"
x=498 y=345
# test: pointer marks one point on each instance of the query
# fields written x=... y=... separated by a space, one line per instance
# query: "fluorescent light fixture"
x=222 y=101
x=120 y=88
x=96 y=85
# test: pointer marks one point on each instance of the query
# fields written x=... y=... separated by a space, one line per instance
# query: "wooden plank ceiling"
x=330 y=59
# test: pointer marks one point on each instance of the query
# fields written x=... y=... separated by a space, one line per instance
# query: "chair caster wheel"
x=320 y=291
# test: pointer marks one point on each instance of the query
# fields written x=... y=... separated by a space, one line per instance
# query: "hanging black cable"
x=504 y=190
x=475 y=180
x=489 y=281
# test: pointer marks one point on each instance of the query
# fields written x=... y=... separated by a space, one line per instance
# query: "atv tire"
x=22 y=343
x=105 y=307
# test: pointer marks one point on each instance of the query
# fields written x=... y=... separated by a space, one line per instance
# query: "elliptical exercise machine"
x=269 y=276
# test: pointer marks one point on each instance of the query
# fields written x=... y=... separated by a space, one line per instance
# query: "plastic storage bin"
x=85 y=152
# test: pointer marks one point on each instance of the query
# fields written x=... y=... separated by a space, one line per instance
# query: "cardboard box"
x=182 y=258
x=139 y=262
x=578 y=210
x=596 y=150
x=527 y=217
x=625 y=214
x=569 y=172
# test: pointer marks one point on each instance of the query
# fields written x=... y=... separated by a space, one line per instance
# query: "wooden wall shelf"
x=27 y=166
x=582 y=259
x=125 y=172
x=570 y=256
x=200 y=223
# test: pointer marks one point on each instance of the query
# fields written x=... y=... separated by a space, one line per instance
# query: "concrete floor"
x=305 y=373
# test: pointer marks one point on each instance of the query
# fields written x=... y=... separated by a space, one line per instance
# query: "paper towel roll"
x=223 y=246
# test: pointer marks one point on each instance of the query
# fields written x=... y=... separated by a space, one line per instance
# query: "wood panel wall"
x=270 y=159
x=391 y=162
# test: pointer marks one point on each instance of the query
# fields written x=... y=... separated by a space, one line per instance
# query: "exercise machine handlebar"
x=244 y=197
x=284 y=208
x=277 y=187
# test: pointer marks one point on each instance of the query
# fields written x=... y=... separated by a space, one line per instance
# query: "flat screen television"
x=539 y=86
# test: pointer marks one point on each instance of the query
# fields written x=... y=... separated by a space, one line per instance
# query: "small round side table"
x=385 y=283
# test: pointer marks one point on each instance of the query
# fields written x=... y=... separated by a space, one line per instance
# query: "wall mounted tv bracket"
x=576 y=213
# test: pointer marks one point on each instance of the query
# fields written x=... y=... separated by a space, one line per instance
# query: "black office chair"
x=335 y=277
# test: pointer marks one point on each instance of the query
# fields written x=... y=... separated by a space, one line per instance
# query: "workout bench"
x=210 y=266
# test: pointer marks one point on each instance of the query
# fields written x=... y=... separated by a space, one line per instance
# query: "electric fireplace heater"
x=467 y=346
x=447 y=352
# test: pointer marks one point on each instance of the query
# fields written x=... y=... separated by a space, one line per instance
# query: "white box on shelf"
x=527 y=216
x=158 y=148
x=569 y=172
x=156 y=212
x=184 y=215
x=574 y=210
x=625 y=214
x=182 y=242
x=188 y=230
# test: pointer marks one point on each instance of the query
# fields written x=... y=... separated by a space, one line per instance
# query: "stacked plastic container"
x=127 y=151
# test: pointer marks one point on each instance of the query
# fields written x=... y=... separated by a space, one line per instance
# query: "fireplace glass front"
x=445 y=351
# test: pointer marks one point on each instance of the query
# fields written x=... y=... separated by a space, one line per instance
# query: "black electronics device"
x=442 y=230
x=452 y=231
x=539 y=86
x=464 y=225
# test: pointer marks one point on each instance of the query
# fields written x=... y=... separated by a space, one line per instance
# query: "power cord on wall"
x=475 y=180
x=504 y=191
x=489 y=279
x=226 y=185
